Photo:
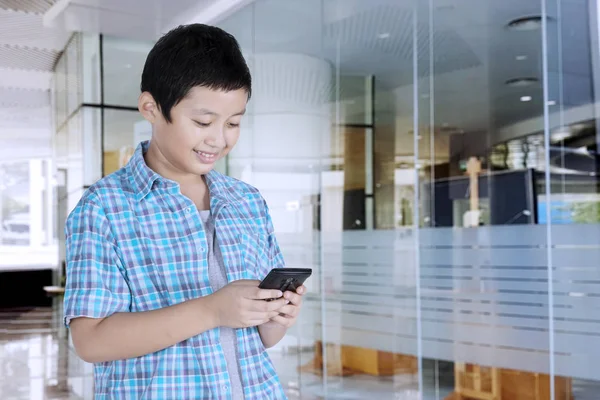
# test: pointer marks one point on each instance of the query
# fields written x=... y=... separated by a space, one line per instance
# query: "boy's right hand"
x=241 y=304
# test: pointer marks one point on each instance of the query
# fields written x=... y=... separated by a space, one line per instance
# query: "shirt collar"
x=141 y=176
x=221 y=188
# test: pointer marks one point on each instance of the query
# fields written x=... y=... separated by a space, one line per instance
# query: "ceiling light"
x=383 y=35
x=526 y=98
x=521 y=58
x=560 y=136
x=530 y=23
x=520 y=82
x=561 y=133
x=551 y=102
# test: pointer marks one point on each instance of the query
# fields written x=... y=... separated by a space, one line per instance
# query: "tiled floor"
x=36 y=364
x=30 y=366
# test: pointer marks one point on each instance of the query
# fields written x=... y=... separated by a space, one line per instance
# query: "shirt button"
x=188 y=210
x=225 y=388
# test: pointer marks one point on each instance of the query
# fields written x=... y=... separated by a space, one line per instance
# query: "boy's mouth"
x=206 y=157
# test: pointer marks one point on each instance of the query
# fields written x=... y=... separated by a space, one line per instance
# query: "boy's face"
x=204 y=127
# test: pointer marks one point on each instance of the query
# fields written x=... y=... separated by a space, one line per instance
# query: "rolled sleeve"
x=96 y=286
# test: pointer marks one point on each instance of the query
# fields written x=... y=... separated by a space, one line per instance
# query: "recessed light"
x=127 y=66
x=526 y=98
x=384 y=35
x=521 y=58
x=530 y=23
x=520 y=82
x=551 y=102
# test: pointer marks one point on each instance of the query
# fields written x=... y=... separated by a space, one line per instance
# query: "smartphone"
x=285 y=279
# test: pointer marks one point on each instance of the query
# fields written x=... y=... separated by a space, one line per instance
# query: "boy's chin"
x=202 y=169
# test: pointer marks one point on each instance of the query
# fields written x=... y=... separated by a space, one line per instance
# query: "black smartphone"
x=285 y=279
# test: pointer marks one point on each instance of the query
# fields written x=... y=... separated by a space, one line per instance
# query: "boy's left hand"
x=288 y=314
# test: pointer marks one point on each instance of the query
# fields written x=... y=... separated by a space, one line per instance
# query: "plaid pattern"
x=134 y=243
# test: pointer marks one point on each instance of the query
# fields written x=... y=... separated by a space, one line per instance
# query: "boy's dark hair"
x=190 y=56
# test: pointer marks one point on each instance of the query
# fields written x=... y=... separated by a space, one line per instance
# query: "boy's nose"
x=216 y=139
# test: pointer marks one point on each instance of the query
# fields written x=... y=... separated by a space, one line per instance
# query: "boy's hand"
x=242 y=304
x=288 y=313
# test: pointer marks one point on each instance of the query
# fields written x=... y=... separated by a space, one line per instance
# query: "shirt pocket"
x=254 y=255
x=172 y=271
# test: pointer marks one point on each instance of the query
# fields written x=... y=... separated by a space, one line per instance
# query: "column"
x=286 y=138
x=36 y=219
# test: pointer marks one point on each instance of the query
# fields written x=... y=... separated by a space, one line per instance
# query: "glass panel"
x=370 y=304
x=90 y=65
x=123 y=65
x=123 y=130
x=14 y=204
x=92 y=146
x=572 y=206
x=483 y=254
x=73 y=80
x=60 y=91
x=291 y=100
x=75 y=162
x=355 y=99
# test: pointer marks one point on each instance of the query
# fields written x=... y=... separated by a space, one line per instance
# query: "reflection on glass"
x=122 y=70
x=417 y=156
x=14 y=204
x=123 y=130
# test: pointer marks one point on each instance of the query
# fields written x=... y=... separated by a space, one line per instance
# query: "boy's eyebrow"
x=206 y=111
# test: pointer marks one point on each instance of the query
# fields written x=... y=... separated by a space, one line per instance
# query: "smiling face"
x=204 y=127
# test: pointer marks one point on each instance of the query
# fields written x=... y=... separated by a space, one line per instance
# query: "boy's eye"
x=232 y=125
x=202 y=124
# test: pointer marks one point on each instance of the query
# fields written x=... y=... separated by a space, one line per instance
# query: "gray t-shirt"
x=218 y=279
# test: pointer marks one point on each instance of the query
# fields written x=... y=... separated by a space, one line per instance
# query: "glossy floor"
x=37 y=364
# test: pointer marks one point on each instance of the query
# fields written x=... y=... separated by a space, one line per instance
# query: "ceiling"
x=134 y=19
x=28 y=52
x=465 y=52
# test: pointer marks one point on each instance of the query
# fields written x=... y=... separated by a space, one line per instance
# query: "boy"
x=164 y=256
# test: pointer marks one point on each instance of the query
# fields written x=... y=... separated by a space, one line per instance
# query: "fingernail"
x=287 y=302
x=279 y=294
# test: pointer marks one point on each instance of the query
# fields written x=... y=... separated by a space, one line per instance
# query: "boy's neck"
x=192 y=186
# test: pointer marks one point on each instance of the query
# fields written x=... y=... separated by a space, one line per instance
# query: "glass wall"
x=436 y=164
x=27 y=235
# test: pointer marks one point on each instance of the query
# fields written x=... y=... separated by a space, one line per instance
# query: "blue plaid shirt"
x=135 y=243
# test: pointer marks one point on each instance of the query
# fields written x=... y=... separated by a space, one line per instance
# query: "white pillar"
x=287 y=135
x=36 y=206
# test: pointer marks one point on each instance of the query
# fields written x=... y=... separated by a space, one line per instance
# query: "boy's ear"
x=147 y=107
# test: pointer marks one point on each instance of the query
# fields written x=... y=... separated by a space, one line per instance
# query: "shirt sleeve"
x=96 y=286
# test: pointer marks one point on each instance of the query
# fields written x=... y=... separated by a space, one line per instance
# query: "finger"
x=264 y=294
x=246 y=282
x=267 y=306
x=283 y=321
x=301 y=290
x=293 y=298
x=275 y=305
x=289 y=310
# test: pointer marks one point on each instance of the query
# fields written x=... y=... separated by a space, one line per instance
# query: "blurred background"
x=434 y=161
